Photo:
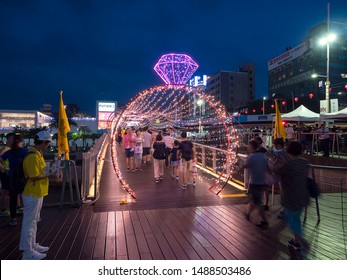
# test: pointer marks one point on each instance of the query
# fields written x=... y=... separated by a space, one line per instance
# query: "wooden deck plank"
x=110 y=245
x=122 y=252
x=70 y=238
x=133 y=250
x=185 y=245
x=78 y=245
x=166 y=249
x=100 y=239
x=151 y=240
x=89 y=243
x=139 y=234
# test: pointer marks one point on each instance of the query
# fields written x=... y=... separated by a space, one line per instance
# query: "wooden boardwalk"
x=208 y=227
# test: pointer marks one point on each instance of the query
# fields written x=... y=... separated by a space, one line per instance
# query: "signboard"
x=104 y=110
x=334 y=105
x=288 y=55
x=323 y=106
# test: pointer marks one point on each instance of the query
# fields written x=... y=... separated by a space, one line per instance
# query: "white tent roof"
x=337 y=115
x=301 y=114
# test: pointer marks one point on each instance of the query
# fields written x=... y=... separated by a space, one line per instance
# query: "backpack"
x=159 y=150
x=18 y=180
x=187 y=150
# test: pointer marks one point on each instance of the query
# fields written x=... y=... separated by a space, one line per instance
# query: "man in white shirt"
x=168 y=140
x=147 y=139
x=324 y=139
x=290 y=132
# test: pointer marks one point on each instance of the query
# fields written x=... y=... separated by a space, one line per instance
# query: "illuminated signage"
x=105 y=110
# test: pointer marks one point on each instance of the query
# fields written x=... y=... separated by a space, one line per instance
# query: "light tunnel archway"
x=179 y=107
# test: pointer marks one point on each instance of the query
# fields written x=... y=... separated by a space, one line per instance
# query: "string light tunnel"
x=180 y=107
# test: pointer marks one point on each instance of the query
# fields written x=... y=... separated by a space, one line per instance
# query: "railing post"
x=214 y=160
x=203 y=160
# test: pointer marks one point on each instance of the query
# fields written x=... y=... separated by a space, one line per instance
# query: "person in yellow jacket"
x=35 y=190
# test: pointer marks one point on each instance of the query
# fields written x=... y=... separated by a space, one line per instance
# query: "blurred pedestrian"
x=188 y=156
x=175 y=159
x=128 y=143
x=295 y=197
x=138 y=149
x=168 y=140
x=257 y=165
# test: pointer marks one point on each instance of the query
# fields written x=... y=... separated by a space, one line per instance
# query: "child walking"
x=138 y=150
x=175 y=159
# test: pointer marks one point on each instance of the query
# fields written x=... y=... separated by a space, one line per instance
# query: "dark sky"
x=107 y=49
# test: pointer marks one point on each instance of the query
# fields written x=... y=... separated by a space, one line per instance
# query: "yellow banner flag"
x=279 y=131
x=63 y=129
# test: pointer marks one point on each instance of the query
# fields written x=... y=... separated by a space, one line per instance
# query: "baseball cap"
x=44 y=136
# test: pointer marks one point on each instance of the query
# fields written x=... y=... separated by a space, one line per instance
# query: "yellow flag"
x=279 y=131
x=63 y=129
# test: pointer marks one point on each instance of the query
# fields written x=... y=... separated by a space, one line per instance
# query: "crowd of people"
x=282 y=165
x=24 y=184
x=141 y=146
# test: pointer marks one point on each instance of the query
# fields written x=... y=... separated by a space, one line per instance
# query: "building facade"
x=234 y=89
x=290 y=74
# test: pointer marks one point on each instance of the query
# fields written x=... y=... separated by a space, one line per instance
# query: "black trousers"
x=167 y=153
x=15 y=190
x=325 y=146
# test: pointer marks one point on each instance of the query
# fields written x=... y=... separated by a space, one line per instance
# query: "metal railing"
x=92 y=162
x=70 y=177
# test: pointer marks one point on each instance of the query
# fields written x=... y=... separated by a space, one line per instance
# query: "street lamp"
x=200 y=102
x=329 y=38
x=264 y=98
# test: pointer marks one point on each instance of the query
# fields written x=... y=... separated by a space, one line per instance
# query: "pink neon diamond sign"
x=175 y=69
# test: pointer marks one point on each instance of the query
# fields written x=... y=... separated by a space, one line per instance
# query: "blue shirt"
x=257 y=165
x=15 y=158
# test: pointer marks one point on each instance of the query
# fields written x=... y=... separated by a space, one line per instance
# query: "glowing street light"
x=264 y=98
x=328 y=39
x=200 y=102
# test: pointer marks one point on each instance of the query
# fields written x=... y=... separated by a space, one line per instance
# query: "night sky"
x=106 y=50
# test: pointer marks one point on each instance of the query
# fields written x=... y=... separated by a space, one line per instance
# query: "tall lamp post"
x=329 y=38
x=264 y=98
x=200 y=102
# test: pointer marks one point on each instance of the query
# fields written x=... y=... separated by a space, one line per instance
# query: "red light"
x=262 y=108
x=283 y=103
x=345 y=86
x=272 y=106
x=246 y=112
x=330 y=89
x=254 y=110
x=311 y=95
x=296 y=99
x=283 y=123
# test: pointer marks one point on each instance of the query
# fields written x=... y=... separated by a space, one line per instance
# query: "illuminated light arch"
x=171 y=104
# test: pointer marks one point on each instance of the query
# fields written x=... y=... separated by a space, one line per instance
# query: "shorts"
x=256 y=192
x=146 y=151
x=129 y=153
x=187 y=165
x=5 y=181
x=175 y=163
x=138 y=155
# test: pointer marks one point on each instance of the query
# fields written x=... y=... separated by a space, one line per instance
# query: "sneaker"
x=128 y=169
x=194 y=184
x=157 y=180
x=33 y=256
x=161 y=178
x=5 y=213
x=177 y=178
x=12 y=222
x=296 y=246
x=183 y=187
x=20 y=210
x=136 y=169
x=263 y=225
x=40 y=249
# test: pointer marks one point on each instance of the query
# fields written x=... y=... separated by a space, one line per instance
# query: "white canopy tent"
x=301 y=114
x=342 y=114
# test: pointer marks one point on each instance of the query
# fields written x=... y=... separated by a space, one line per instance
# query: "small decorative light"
x=311 y=95
x=283 y=103
x=272 y=106
x=296 y=99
